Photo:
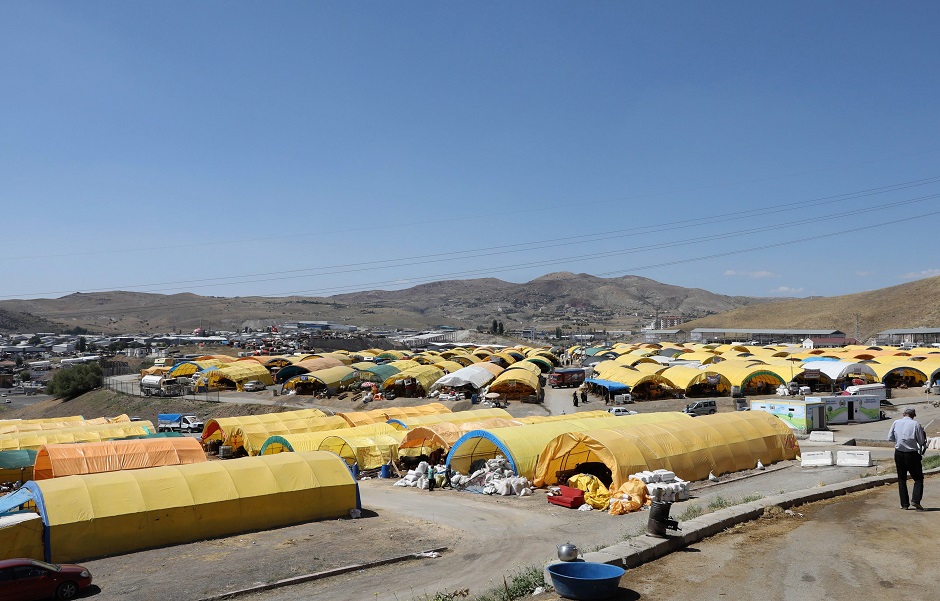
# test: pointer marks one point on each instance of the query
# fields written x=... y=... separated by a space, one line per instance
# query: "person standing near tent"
x=910 y=444
x=430 y=477
x=574 y=397
x=583 y=395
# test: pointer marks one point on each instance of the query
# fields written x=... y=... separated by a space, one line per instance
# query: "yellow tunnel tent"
x=424 y=377
x=427 y=438
x=522 y=445
x=310 y=441
x=220 y=428
x=361 y=418
x=894 y=375
x=456 y=417
x=516 y=384
x=34 y=440
x=526 y=365
x=306 y=366
x=21 y=536
x=697 y=382
x=249 y=438
x=331 y=379
x=368 y=451
x=97 y=515
x=234 y=375
x=24 y=425
x=186 y=369
x=57 y=460
x=720 y=443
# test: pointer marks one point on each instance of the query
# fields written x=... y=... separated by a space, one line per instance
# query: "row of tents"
x=125 y=495
x=410 y=374
x=696 y=370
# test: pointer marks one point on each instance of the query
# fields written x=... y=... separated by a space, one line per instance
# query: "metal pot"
x=568 y=552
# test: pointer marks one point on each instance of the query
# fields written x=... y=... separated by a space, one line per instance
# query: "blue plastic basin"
x=585 y=580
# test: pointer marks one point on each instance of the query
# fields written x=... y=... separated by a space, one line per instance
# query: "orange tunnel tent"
x=57 y=460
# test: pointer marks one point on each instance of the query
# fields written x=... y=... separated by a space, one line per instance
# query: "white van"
x=876 y=390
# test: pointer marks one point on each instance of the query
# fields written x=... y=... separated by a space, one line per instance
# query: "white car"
x=620 y=411
x=253 y=386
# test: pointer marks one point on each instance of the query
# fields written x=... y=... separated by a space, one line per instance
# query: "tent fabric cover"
x=719 y=443
x=369 y=451
x=97 y=515
x=21 y=536
x=251 y=437
x=219 y=428
x=457 y=417
x=57 y=460
x=34 y=440
x=521 y=446
x=475 y=375
x=310 y=441
x=613 y=387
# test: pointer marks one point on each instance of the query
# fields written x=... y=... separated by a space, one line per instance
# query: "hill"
x=17 y=321
x=910 y=305
x=558 y=299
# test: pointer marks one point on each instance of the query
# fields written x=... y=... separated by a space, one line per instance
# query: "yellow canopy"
x=220 y=428
x=369 y=451
x=516 y=383
x=188 y=368
x=361 y=418
x=21 y=536
x=426 y=375
x=448 y=367
x=444 y=434
x=235 y=375
x=330 y=378
x=526 y=365
x=57 y=460
x=684 y=378
x=252 y=437
x=34 y=440
x=310 y=441
x=720 y=443
x=75 y=419
x=457 y=417
x=96 y=515
x=522 y=445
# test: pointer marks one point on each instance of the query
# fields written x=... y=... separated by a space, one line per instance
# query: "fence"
x=132 y=388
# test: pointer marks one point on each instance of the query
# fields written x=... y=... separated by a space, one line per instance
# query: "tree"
x=558 y=333
x=495 y=327
x=71 y=382
x=35 y=340
x=499 y=329
x=82 y=345
x=25 y=376
x=18 y=361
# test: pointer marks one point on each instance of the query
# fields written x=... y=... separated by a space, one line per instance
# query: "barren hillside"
x=911 y=305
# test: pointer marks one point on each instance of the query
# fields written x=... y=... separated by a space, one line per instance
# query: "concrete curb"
x=645 y=548
x=318 y=575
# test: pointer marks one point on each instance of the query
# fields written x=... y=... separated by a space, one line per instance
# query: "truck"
x=155 y=385
x=177 y=422
x=566 y=377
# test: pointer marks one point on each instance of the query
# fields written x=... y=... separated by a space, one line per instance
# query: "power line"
x=504 y=249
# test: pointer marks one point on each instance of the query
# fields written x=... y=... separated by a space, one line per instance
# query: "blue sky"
x=246 y=148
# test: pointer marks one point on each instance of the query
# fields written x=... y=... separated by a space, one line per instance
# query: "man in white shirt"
x=910 y=444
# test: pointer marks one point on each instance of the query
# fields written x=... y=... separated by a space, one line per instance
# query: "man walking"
x=910 y=444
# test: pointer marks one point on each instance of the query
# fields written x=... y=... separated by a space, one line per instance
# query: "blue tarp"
x=609 y=385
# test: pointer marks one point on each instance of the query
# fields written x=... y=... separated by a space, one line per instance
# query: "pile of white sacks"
x=496 y=477
x=663 y=486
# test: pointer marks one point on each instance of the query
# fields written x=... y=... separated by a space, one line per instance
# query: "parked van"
x=620 y=411
x=877 y=390
x=706 y=407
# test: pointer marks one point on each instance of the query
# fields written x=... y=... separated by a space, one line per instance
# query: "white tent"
x=837 y=370
x=475 y=375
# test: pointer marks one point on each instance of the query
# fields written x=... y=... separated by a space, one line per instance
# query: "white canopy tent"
x=475 y=375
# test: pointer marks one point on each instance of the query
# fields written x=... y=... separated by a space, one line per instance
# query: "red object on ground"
x=569 y=497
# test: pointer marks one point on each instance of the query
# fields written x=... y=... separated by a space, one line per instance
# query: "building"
x=757 y=336
x=914 y=336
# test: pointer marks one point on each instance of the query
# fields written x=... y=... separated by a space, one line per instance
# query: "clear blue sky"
x=248 y=148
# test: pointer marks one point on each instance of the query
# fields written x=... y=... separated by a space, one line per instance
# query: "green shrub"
x=71 y=382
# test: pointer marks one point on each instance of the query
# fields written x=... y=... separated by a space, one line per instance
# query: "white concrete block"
x=822 y=436
x=853 y=458
x=816 y=458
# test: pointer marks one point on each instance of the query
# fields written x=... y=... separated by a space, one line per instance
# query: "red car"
x=26 y=579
